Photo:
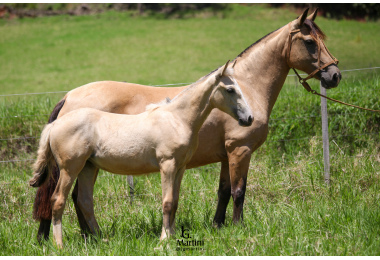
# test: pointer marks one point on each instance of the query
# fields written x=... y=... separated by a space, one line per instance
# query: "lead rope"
x=303 y=80
x=309 y=89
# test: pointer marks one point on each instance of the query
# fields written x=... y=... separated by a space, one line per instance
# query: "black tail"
x=56 y=110
x=42 y=206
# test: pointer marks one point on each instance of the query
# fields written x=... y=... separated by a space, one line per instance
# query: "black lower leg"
x=85 y=229
x=44 y=230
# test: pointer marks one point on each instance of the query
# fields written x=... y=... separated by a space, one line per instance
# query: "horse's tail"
x=54 y=114
x=42 y=206
x=43 y=166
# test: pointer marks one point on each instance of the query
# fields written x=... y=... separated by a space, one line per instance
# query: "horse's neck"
x=193 y=105
x=262 y=70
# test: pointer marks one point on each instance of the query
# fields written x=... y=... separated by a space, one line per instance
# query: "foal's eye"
x=230 y=90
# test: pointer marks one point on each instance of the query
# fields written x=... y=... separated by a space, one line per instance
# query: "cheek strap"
x=312 y=74
x=303 y=80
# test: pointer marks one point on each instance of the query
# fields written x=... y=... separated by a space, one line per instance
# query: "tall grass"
x=288 y=208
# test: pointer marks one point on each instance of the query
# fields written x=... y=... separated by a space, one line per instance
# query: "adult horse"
x=162 y=139
x=260 y=71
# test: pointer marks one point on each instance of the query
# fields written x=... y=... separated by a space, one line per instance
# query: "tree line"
x=357 y=11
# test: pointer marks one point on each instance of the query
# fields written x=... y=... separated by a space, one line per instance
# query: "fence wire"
x=178 y=84
x=170 y=84
x=267 y=141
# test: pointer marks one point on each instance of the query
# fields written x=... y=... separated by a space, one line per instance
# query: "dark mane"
x=253 y=44
x=315 y=31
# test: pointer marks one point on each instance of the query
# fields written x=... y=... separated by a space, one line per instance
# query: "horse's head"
x=228 y=97
x=306 y=51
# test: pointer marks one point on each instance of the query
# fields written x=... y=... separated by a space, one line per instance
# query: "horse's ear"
x=302 y=18
x=225 y=67
x=233 y=65
x=313 y=15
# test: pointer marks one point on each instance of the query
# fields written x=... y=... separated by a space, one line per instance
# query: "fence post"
x=325 y=135
x=131 y=188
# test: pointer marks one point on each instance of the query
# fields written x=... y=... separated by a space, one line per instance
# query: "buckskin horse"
x=162 y=139
x=260 y=70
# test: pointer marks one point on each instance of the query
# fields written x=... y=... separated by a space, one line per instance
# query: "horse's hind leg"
x=42 y=205
x=59 y=199
x=85 y=229
x=224 y=195
x=86 y=181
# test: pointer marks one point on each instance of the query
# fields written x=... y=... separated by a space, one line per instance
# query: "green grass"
x=288 y=209
x=64 y=52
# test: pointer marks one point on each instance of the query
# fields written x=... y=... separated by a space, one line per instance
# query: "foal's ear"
x=220 y=72
x=313 y=15
x=302 y=18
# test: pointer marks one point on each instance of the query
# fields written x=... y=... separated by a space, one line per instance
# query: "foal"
x=163 y=139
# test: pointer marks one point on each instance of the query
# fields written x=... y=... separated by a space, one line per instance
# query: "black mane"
x=253 y=44
x=314 y=30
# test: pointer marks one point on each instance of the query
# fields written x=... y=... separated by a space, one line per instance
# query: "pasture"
x=288 y=209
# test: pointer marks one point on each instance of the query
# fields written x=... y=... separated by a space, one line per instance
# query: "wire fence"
x=170 y=84
x=178 y=84
x=270 y=119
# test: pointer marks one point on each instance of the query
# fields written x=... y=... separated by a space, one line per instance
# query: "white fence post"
x=131 y=188
x=325 y=135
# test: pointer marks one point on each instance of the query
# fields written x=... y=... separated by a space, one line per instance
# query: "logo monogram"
x=187 y=243
x=185 y=233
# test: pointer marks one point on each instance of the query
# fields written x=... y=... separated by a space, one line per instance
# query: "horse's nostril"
x=337 y=77
x=245 y=122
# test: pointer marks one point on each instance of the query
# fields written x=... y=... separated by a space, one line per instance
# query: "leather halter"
x=320 y=44
x=303 y=80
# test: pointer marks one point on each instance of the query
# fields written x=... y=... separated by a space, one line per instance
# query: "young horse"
x=260 y=70
x=163 y=139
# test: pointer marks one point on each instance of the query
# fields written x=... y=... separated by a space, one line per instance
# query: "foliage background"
x=288 y=208
x=359 y=11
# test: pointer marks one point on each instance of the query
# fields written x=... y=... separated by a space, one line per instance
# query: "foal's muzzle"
x=246 y=122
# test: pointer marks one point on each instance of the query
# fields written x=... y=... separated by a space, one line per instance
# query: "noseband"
x=303 y=80
x=320 y=44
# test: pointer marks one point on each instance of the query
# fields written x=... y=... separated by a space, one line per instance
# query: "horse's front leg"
x=176 y=189
x=224 y=195
x=239 y=158
x=171 y=178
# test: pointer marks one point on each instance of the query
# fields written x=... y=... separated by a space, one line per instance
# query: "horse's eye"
x=231 y=90
x=309 y=42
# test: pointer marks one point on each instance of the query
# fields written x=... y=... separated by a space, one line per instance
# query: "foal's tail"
x=45 y=160
x=42 y=206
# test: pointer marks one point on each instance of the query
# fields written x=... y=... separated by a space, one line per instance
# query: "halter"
x=320 y=44
x=303 y=80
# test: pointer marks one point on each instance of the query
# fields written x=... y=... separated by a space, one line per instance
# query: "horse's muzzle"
x=331 y=77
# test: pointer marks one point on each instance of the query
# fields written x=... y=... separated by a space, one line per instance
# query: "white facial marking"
x=241 y=93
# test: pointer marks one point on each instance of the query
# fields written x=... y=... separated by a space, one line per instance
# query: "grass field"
x=288 y=209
